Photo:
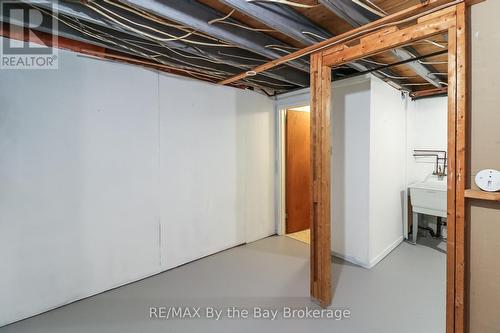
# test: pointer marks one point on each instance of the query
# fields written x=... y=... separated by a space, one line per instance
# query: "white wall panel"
x=110 y=173
x=351 y=170
x=78 y=168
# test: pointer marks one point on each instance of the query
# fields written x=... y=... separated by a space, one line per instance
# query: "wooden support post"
x=461 y=167
x=452 y=116
x=321 y=286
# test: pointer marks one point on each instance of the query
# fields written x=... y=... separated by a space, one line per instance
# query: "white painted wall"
x=351 y=134
x=104 y=183
x=427 y=128
x=387 y=169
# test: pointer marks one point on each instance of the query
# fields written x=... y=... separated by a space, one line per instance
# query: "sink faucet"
x=439 y=171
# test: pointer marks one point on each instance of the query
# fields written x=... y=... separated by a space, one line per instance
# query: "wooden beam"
x=450 y=242
x=461 y=168
x=413 y=12
x=428 y=93
x=321 y=286
x=473 y=2
x=388 y=41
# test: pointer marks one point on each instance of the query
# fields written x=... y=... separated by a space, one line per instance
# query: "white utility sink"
x=428 y=197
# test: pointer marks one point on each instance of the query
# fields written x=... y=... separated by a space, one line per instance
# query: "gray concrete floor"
x=404 y=293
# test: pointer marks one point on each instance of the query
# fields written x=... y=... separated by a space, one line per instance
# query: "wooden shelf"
x=482 y=195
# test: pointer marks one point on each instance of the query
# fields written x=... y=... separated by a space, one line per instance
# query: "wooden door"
x=298 y=171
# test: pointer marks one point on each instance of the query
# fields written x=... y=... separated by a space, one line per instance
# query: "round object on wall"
x=488 y=180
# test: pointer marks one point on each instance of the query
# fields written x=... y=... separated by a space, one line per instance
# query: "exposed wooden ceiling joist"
x=239 y=59
x=282 y=19
x=289 y=22
x=197 y=16
x=227 y=37
x=358 y=16
x=410 y=13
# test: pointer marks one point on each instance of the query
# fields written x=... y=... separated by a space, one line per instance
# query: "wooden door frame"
x=450 y=20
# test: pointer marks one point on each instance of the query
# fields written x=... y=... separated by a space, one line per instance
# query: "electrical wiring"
x=241 y=57
x=443 y=45
x=361 y=32
x=80 y=28
x=152 y=42
x=388 y=75
x=141 y=42
x=223 y=20
x=209 y=59
x=157 y=54
x=153 y=18
x=373 y=62
x=200 y=57
x=84 y=29
x=246 y=27
x=144 y=14
x=216 y=75
x=192 y=69
x=93 y=5
x=194 y=73
x=156 y=57
x=273 y=46
x=194 y=57
x=376 y=7
x=172 y=37
x=365 y=6
x=433 y=62
x=314 y=35
x=398 y=77
x=142 y=49
x=287 y=2
x=282 y=48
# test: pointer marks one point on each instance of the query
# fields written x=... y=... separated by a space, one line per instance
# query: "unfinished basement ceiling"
x=212 y=40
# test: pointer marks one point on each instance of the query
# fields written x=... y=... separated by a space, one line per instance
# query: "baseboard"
x=375 y=260
x=352 y=260
x=385 y=252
